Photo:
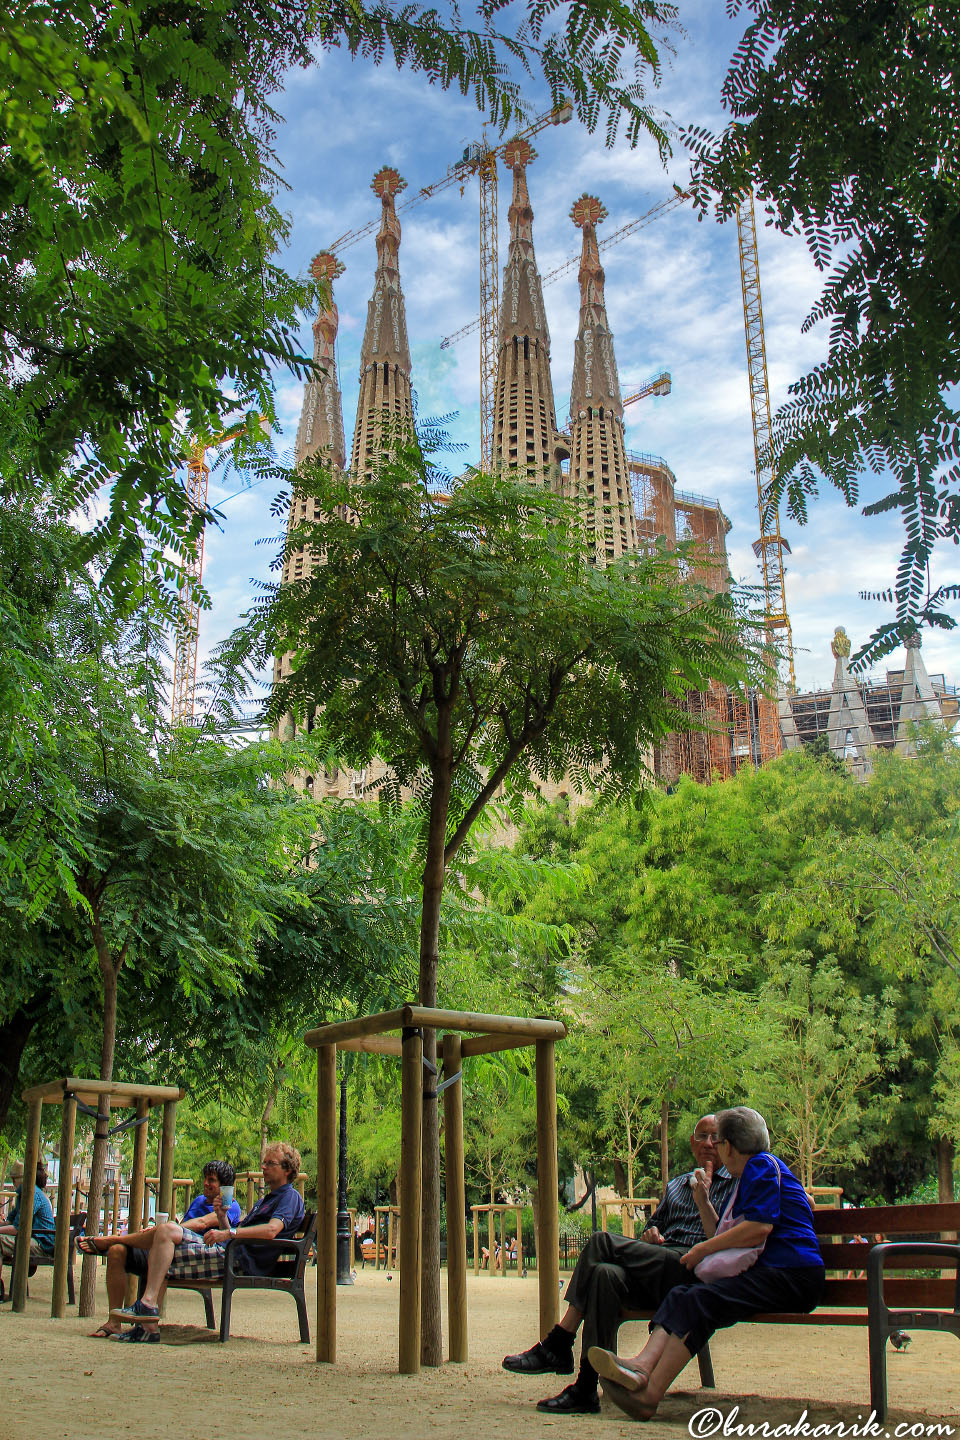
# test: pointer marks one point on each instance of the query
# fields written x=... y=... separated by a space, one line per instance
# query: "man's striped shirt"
x=677 y=1217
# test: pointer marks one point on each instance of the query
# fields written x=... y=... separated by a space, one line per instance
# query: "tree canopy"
x=845 y=122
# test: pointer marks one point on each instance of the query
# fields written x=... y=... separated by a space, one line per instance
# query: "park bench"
x=78 y=1221
x=881 y=1304
x=287 y=1275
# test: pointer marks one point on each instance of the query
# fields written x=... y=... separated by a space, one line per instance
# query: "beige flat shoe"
x=609 y=1366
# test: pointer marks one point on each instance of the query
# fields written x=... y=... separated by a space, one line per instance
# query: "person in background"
x=44 y=1227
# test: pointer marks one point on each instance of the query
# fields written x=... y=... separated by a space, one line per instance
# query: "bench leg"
x=705 y=1361
x=225 y=1303
x=301 y=1300
x=208 y=1314
x=71 y=1293
x=878 y=1365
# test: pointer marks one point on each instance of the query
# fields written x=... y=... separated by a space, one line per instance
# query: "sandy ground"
x=56 y=1382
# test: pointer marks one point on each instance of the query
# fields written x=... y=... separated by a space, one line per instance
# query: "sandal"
x=609 y=1366
x=102 y=1332
x=87 y=1245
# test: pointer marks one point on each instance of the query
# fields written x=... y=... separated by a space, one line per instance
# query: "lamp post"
x=344 y=1233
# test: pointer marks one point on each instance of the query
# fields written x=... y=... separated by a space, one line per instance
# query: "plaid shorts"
x=193 y=1260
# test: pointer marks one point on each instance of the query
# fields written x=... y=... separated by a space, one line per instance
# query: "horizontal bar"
x=374 y=1045
x=342 y=1030
x=118 y=1090
x=489 y=1044
x=483 y=1024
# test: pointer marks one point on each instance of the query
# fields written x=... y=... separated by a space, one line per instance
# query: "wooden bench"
x=920 y=1302
x=287 y=1276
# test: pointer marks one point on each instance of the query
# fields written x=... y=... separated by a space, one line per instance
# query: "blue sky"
x=673 y=299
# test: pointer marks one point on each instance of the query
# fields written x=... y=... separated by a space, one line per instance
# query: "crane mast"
x=771 y=545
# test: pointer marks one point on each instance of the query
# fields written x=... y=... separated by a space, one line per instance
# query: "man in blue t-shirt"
x=178 y=1253
x=44 y=1226
x=216 y=1174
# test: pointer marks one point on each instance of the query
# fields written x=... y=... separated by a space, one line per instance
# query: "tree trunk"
x=664 y=1143
x=109 y=972
x=431 y=1333
x=945 y=1193
x=14 y=1034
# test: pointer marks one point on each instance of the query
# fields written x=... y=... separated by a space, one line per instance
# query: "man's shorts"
x=8 y=1244
x=193 y=1260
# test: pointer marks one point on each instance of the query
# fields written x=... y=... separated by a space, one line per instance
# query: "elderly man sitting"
x=196 y=1251
x=42 y=1233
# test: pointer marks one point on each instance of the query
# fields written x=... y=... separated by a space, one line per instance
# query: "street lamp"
x=344 y=1230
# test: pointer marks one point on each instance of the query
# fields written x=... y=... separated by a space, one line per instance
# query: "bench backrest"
x=846 y=1259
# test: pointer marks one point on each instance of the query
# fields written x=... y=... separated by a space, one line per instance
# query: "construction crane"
x=770 y=547
x=478 y=159
x=188 y=611
x=632 y=226
x=659 y=384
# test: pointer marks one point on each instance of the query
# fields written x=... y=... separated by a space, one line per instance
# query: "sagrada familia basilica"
x=632 y=500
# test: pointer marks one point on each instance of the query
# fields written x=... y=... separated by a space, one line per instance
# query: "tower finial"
x=325 y=267
x=588 y=210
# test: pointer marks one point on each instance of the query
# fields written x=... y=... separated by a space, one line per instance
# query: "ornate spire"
x=525 y=436
x=598 y=468
x=385 y=391
x=321 y=419
x=595 y=379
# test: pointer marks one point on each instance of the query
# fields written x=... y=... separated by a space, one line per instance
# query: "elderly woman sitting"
x=769 y=1211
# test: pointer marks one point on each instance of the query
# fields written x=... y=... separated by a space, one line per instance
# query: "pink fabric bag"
x=723 y=1263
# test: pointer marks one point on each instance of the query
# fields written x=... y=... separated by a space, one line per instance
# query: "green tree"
x=470 y=644
x=845 y=122
x=816 y=1080
x=140 y=301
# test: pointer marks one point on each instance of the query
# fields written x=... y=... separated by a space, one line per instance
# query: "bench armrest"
x=290 y=1246
x=929 y=1253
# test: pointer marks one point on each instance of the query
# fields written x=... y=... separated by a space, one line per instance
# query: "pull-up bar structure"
x=98 y=1097
x=376 y=1034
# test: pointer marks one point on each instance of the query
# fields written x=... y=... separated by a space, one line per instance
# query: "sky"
x=673 y=301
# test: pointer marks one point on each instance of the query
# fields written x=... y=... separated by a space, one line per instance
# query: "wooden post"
x=27 y=1187
x=138 y=1189
x=411 y=1162
x=548 y=1240
x=519 y=1243
x=251 y=1188
x=491 y=1240
x=476 y=1239
x=61 y=1243
x=456 y=1202
x=392 y=1257
x=327 y=1203
x=167 y=1140
x=116 y=1202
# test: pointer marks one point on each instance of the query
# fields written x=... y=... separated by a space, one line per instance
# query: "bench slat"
x=854 y=1257
x=888 y=1220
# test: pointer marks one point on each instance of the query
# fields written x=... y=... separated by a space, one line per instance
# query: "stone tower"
x=320 y=431
x=598 y=464
x=525 y=435
x=386 y=399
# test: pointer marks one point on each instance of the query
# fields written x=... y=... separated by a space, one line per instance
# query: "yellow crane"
x=480 y=159
x=770 y=547
x=188 y=615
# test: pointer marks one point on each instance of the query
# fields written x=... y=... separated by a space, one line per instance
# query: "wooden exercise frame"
x=625 y=1205
x=485 y=1034
x=494 y=1212
x=391 y=1254
x=67 y=1092
x=152 y=1182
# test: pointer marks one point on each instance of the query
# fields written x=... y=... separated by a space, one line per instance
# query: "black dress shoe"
x=571 y=1401
x=540 y=1360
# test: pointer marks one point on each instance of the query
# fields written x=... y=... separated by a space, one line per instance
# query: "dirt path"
x=57 y=1383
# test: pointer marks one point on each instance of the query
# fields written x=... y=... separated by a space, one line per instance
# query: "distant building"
x=862 y=713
